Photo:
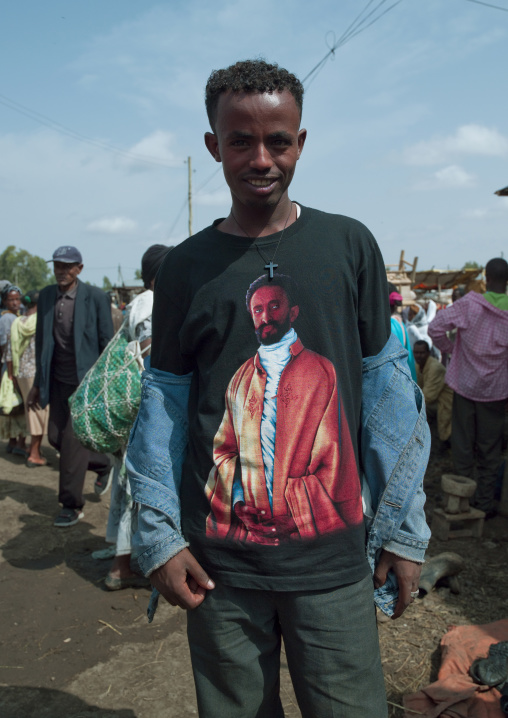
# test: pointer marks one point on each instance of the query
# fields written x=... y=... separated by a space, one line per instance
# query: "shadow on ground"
x=27 y=702
x=38 y=545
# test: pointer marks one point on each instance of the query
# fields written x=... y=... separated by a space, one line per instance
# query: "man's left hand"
x=408 y=577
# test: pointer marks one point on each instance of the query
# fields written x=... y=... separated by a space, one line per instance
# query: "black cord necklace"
x=269 y=265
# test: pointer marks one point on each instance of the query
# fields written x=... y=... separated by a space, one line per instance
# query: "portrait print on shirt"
x=284 y=464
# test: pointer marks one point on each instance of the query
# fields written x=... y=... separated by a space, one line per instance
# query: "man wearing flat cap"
x=74 y=326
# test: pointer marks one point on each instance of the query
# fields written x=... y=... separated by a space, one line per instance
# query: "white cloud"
x=214 y=199
x=152 y=152
x=453 y=176
x=450 y=177
x=476 y=213
x=112 y=225
x=467 y=140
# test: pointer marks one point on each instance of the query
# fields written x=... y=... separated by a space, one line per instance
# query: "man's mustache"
x=268 y=324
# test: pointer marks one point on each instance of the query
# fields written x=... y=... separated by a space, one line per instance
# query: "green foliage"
x=137 y=274
x=106 y=284
x=24 y=269
x=472 y=265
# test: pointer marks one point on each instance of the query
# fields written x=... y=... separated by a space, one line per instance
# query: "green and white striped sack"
x=105 y=404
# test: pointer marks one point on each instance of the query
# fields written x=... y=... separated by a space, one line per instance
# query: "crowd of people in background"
x=260 y=398
x=458 y=355
x=48 y=341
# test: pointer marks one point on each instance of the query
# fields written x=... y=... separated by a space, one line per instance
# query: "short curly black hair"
x=287 y=283
x=250 y=76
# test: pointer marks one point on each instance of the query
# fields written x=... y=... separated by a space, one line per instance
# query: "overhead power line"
x=487 y=4
x=62 y=129
x=359 y=24
x=207 y=181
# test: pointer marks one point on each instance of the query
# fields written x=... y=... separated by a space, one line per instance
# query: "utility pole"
x=190 y=195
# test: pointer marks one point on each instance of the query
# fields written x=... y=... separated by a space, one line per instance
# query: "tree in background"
x=25 y=270
x=106 y=284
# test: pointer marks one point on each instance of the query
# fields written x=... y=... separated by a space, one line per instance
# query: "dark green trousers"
x=331 y=644
x=477 y=432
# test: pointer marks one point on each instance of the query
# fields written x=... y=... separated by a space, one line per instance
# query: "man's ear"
x=212 y=145
x=293 y=313
x=302 y=136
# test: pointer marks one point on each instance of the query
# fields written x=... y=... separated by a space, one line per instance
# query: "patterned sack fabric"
x=105 y=404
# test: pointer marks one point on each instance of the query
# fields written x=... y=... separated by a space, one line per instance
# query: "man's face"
x=421 y=354
x=13 y=302
x=271 y=314
x=258 y=141
x=66 y=274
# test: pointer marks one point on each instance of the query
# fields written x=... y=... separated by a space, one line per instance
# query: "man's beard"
x=281 y=328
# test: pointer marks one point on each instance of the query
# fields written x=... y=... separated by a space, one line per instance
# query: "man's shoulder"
x=193 y=251
x=333 y=219
x=244 y=373
x=480 y=309
x=47 y=291
x=435 y=365
x=308 y=358
x=91 y=291
x=188 y=247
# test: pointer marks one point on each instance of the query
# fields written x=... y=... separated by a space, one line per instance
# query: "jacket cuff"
x=160 y=553
x=414 y=551
x=155 y=538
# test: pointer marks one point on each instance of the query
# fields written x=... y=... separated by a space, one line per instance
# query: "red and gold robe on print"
x=315 y=475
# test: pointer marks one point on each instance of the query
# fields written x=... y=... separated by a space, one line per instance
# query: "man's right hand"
x=33 y=397
x=182 y=581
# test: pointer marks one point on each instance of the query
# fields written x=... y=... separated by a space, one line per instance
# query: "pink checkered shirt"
x=478 y=369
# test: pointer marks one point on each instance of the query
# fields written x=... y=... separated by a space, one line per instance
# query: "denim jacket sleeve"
x=155 y=455
x=395 y=447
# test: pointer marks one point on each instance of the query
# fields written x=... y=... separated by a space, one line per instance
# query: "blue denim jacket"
x=395 y=445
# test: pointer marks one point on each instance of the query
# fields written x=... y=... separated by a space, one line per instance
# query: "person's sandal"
x=68 y=517
x=115 y=583
x=34 y=464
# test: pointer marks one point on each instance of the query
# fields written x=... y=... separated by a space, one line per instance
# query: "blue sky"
x=407 y=125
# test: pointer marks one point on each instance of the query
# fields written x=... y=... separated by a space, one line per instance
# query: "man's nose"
x=265 y=316
x=261 y=159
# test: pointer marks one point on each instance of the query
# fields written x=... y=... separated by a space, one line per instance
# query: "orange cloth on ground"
x=454 y=694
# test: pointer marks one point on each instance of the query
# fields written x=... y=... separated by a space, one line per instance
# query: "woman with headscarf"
x=398 y=327
x=119 y=532
x=21 y=367
x=12 y=426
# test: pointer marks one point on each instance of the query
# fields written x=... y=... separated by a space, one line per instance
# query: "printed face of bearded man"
x=271 y=313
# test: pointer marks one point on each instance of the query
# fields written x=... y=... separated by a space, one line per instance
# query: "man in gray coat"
x=74 y=325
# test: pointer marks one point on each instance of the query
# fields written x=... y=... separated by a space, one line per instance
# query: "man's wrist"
x=159 y=554
x=409 y=553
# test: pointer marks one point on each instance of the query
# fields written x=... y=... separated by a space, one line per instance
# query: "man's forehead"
x=267 y=292
x=254 y=103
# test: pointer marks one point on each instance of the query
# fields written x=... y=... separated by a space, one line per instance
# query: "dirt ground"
x=71 y=649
